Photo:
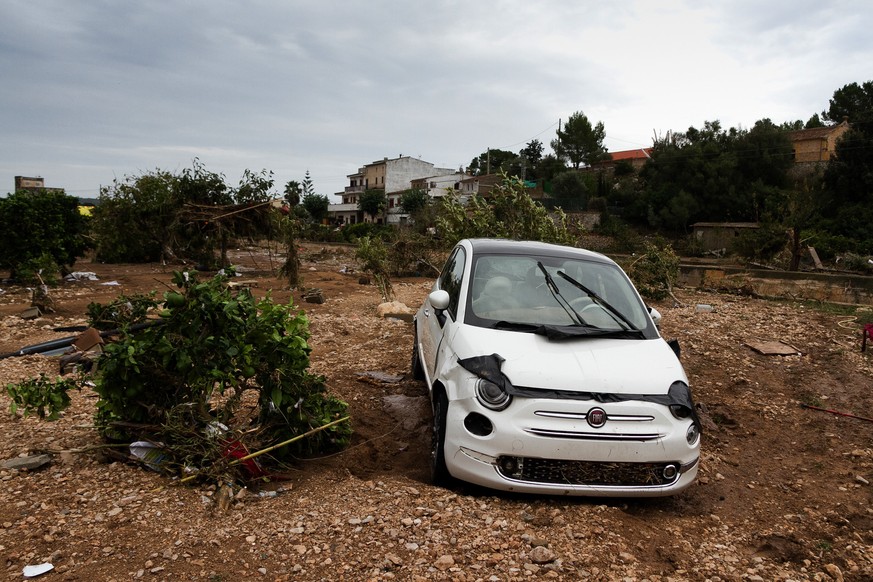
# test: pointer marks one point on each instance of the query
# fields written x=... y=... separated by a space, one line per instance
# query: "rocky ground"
x=784 y=491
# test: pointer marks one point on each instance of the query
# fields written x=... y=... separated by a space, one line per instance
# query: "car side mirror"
x=439 y=299
x=656 y=315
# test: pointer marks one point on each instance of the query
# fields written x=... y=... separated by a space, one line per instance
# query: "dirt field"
x=784 y=492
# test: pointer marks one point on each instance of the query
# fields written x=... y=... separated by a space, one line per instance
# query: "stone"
x=542 y=555
x=444 y=562
x=27 y=463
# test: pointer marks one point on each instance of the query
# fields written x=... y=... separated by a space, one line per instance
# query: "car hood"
x=585 y=364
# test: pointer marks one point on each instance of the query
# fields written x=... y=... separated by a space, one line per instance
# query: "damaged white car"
x=547 y=374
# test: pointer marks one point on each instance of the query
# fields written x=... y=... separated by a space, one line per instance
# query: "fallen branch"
x=274 y=447
x=837 y=412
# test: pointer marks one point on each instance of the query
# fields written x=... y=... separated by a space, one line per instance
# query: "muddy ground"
x=784 y=491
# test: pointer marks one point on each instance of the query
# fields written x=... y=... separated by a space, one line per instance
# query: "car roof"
x=534 y=248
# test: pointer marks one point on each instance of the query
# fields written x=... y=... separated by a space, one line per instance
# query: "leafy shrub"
x=122 y=311
x=40 y=395
x=216 y=343
x=411 y=254
x=655 y=270
x=508 y=212
x=373 y=256
x=761 y=244
x=353 y=232
x=40 y=230
x=38 y=270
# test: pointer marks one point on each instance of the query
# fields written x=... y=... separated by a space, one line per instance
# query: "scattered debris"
x=865 y=334
x=30 y=463
x=37 y=570
x=313 y=296
x=395 y=309
x=837 y=412
x=150 y=454
x=816 y=261
x=246 y=284
x=42 y=299
x=30 y=313
x=773 y=348
x=81 y=276
x=702 y=308
x=380 y=378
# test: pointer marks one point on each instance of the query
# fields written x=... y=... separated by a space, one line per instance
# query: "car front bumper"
x=546 y=447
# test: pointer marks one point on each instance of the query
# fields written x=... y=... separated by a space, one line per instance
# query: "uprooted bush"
x=220 y=373
x=213 y=347
x=654 y=271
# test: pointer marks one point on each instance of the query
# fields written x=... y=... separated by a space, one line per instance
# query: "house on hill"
x=635 y=158
x=817 y=144
x=393 y=176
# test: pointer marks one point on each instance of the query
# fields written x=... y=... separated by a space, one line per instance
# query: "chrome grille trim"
x=598 y=436
x=584 y=415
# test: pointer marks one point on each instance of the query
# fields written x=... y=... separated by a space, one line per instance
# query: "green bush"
x=655 y=270
x=508 y=212
x=213 y=346
x=40 y=230
x=42 y=396
x=353 y=232
x=761 y=244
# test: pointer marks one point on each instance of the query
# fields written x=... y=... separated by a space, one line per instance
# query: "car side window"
x=450 y=280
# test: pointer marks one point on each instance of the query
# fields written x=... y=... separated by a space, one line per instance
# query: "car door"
x=435 y=322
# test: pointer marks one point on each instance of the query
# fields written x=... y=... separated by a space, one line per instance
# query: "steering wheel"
x=583 y=304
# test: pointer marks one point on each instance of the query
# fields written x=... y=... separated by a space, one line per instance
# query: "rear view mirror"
x=439 y=299
x=656 y=315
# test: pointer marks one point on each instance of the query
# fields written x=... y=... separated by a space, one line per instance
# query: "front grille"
x=587 y=472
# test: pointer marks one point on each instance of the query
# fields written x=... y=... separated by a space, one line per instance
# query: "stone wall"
x=828 y=287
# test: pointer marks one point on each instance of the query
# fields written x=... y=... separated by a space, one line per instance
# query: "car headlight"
x=492 y=396
x=692 y=434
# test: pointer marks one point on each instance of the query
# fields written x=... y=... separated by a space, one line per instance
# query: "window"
x=450 y=280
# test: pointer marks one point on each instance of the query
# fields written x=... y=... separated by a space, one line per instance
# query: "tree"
x=492 y=161
x=292 y=193
x=373 y=202
x=42 y=229
x=849 y=175
x=852 y=101
x=254 y=188
x=509 y=212
x=712 y=174
x=413 y=200
x=531 y=156
x=579 y=141
x=308 y=187
x=571 y=190
x=134 y=220
x=316 y=206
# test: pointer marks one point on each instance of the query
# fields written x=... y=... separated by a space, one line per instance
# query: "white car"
x=547 y=374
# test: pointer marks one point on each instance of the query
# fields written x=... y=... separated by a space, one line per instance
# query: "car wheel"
x=416 y=367
x=438 y=471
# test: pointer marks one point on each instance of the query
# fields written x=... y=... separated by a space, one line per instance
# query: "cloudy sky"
x=92 y=91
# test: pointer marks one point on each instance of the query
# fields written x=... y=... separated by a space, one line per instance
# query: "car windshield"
x=512 y=291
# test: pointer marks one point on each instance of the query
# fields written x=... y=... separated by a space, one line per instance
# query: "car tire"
x=439 y=473
x=415 y=365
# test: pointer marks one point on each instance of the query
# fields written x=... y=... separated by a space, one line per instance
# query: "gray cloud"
x=96 y=90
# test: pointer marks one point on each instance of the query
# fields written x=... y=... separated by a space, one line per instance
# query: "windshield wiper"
x=515 y=326
x=562 y=332
x=553 y=288
x=614 y=313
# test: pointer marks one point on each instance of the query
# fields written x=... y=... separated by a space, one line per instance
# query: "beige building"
x=817 y=144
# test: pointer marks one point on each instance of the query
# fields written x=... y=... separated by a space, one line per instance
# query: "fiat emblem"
x=596 y=417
